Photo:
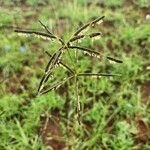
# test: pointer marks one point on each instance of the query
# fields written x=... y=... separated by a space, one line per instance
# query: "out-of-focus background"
x=115 y=111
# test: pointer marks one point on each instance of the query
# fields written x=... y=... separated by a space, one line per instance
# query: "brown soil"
x=51 y=133
x=145 y=91
x=142 y=134
x=143 y=131
x=17 y=83
x=145 y=11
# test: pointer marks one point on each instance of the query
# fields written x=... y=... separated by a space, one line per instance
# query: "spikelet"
x=97 y=21
x=22 y=34
x=41 y=37
x=92 y=54
x=45 y=38
x=148 y=68
x=57 y=65
x=112 y=62
x=96 y=35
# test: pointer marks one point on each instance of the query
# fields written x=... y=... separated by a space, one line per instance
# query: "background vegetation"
x=115 y=111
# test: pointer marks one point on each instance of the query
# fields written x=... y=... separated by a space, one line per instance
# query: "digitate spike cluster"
x=55 y=58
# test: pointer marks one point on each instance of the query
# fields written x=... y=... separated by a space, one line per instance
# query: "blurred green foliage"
x=110 y=106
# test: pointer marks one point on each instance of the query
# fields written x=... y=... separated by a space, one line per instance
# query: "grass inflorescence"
x=55 y=59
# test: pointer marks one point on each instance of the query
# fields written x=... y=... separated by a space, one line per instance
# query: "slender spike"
x=41 y=83
x=97 y=74
x=47 y=76
x=35 y=32
x=88 y=24
x=61 y=63
x=114 y=59
x=81 y=29
x=78 y=37
x=55 y=86
x=95 y=53
x=39 y=34
x=57 y=58
x=93 y=35
x=64 y=65
x=45 y=27
x=47 y=71
x=88 y=51
x=50 y=62
x=43 y=80
x=54 y=60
